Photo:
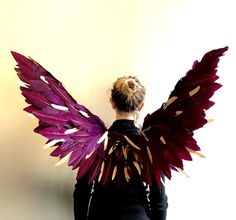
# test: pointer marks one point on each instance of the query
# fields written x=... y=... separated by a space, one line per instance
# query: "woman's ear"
x=139 y=108
x=113 y=105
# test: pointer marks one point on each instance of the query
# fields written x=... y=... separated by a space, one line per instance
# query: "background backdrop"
x=87 y=45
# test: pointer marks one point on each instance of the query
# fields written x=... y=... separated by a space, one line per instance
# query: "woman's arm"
x=158 y=202
x=81 y=195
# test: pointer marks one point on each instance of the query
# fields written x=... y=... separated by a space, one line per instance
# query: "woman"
x=166 y=138
x=134 y=199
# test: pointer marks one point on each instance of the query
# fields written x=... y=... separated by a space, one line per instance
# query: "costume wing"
x=70 y=127
x=169 y=130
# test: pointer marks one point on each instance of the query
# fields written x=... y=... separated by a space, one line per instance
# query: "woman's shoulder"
x=124 y=126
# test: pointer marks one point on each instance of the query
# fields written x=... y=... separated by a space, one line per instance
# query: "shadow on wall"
x=31 y=187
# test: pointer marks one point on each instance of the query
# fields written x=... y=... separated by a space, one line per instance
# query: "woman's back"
x=117 y=201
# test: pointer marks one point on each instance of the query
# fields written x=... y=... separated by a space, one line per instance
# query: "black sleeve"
x=158 y=202
x=81 y=198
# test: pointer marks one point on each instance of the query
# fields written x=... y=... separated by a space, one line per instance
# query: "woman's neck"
x=125 y=115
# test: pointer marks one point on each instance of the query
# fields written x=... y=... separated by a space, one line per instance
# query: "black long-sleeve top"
x=133 y=200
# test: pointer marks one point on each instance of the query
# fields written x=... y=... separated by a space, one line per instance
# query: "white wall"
x=87 y=45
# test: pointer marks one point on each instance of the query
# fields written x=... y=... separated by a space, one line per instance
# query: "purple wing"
x=169 y=130
x=71 y=128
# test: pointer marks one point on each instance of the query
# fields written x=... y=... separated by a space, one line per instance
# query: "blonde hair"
x=127 y=93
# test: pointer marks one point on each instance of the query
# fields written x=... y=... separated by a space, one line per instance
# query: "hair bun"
x=128 y=93
x=131 y=84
